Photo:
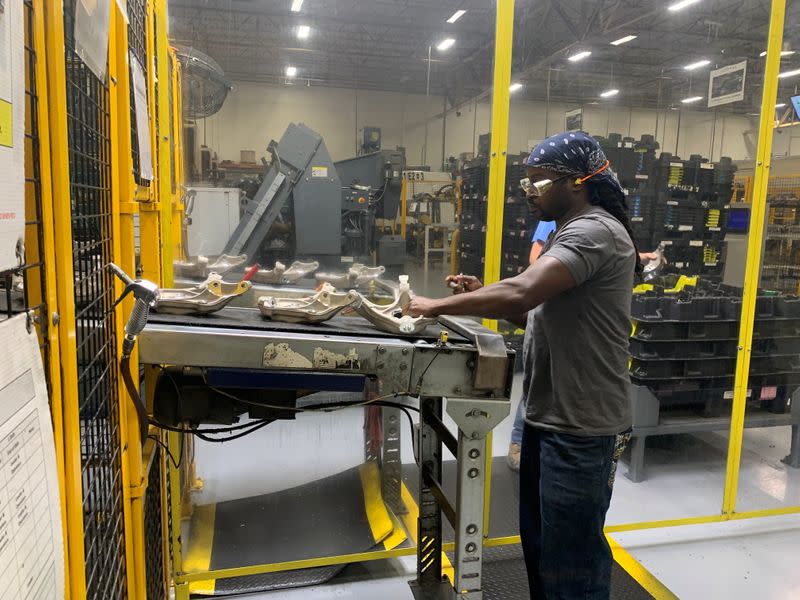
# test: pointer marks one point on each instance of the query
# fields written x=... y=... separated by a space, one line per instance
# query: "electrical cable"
x=419 y=381
x=166 y=449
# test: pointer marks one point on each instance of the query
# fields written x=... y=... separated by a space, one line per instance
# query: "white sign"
x=12 y=135
x=573 y=120
x=31 y=547
x=319 y=172
x=92 y=23
x=142 y=118
x=726 y=85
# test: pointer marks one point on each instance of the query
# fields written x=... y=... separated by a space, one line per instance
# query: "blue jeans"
x=565 y=491
x=519 y=422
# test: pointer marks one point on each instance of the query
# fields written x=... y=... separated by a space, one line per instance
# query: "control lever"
x=145 y=294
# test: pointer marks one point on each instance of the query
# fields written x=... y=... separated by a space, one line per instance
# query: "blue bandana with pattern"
x=573 y=153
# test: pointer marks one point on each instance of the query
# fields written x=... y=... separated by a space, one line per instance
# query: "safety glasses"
x=539 y=188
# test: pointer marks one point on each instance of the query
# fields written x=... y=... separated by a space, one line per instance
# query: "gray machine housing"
x=376 y=170
x=301 y=173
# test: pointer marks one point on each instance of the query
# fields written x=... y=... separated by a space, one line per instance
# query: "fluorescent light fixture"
x=514 y=87
x=579 y=56
x=697 y=65
x=456 y=16
x=609 y=93
x=445 y=44
x=682 y=4
x=692 y=100
x=303 y=31
x=291 y=71
x=624 y=40
x=786 y=74
x=297 y=5
x=783 y=53
x=780 y=105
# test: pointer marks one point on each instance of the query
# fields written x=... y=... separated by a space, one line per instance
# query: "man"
x=575 y=304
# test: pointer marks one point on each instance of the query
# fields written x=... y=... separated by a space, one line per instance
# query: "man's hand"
x=646 y=257
x=421 y=307
x=463 y=283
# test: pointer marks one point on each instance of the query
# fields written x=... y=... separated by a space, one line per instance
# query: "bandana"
x=573 y=153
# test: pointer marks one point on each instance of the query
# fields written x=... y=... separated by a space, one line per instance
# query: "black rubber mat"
x=505 y=578
x=327 y=517
x=251 y=319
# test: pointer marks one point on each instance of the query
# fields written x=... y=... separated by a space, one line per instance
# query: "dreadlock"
x=613 y=202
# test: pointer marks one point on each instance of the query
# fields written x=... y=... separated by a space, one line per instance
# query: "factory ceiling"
x=383 y=45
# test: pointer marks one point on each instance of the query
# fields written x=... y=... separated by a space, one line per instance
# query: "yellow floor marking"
x=635 y=569
x=201 y=539
x=377 y=514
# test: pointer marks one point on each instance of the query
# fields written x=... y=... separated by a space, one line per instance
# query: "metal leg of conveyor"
x=429 y=584
x=391 y=463
x=469 y=517
x=793 y=458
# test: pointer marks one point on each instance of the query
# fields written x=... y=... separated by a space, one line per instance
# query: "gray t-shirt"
x=576 y=343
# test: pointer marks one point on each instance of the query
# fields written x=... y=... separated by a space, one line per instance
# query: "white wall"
x=254 y=114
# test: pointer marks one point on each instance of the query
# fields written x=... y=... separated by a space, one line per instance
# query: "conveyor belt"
x=252 y=320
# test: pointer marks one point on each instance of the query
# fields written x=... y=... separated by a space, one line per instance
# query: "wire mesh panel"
x=23 y=289
x=137 y=44
x=153 y=531
x=91 y=206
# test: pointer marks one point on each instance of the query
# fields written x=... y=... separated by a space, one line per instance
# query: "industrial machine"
x=308 y=207
x=236 y=363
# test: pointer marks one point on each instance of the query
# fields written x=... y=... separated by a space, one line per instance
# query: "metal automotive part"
x=208 y=297
x=203 y=266
x=390 y=317
x=281 y=275
x=312 y=309
x=356 y=276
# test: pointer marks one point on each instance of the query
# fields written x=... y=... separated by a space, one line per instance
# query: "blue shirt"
x=543 y=231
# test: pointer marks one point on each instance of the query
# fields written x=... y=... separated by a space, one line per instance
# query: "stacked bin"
x=474 y=189
x=518 y=223
x=685 y=338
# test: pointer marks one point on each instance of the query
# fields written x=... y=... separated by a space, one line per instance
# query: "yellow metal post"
x=123 y=207
x=163 y=182
x=149 y=207
x=504 y=31
x=176 y=156
x=753 y=265
x=62 y=252
x=47 y=231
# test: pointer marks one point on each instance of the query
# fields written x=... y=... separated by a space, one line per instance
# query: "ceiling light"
x=514 y=87
x=579 y=56
x=692 y=99
x=445 y=44
x=682 y=4
x=789 y=73
x=297 y=5
x=303 y=31
x=609 y=93
x=780 y=105
x=623 y=40
x=783 y=53
x=291 y=71
x=456 y=16
x=697 y=65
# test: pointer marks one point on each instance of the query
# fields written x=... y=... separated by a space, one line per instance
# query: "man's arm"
x=508 y=299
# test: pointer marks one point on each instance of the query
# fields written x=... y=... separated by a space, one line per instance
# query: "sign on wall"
x=573 y=120
x=12 y=133
x=726 y=85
